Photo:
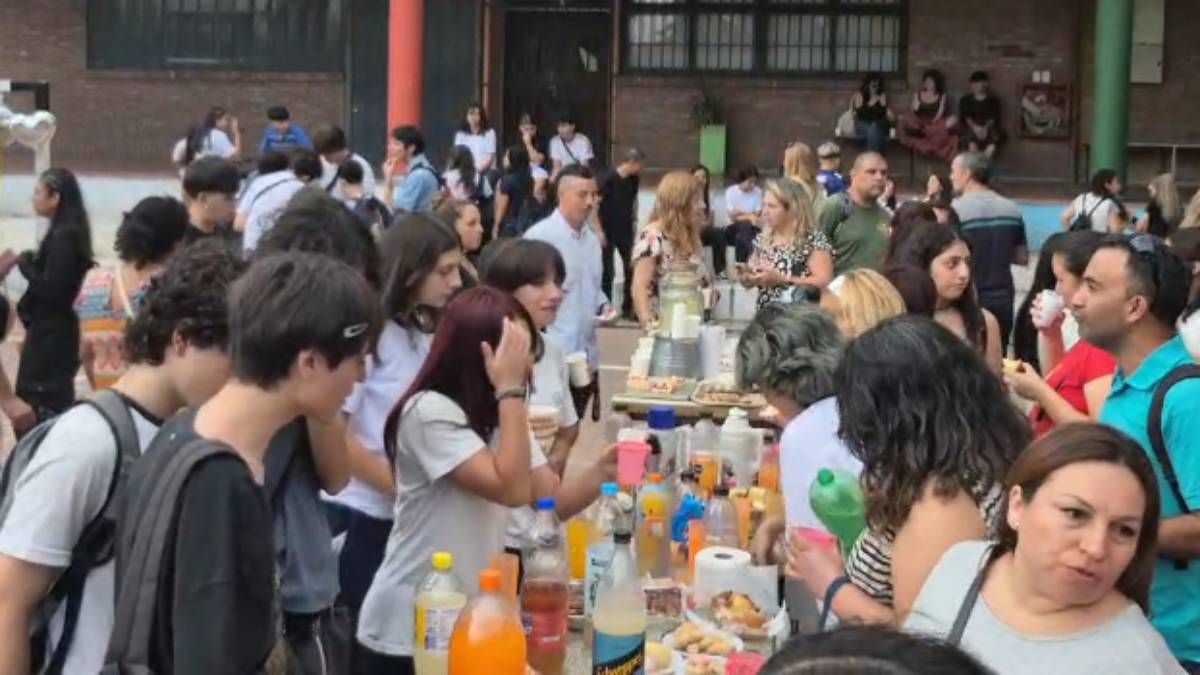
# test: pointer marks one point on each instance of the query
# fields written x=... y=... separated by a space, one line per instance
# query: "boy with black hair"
x=420 y=181
x=282 y=134
x=265 y=198
x=373 y=212
x=210 y=186
x=330 y=143
x=308 y=455
x=568 y=147
x=980 y=112
x=176 y=347
x=195 y=559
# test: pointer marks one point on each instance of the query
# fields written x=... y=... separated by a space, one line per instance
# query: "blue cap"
x=608 y=489
x=661 y=418
x=545 y=503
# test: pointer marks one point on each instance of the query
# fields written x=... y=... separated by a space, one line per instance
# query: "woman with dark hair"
x=1066 y=587
x=517 y=204
x=461 y=179
x=464 y=218
x=939 y=193
x=907 y=219
x=55 y=271
x=944 y=254
x=110 y=297
x=460 y=445
x=870 y=650
x=533 y=272
x=915 y=287
x=478 y=136
x=1076 y=380
x=872 y=119
x=217 y=136
x=935 y=433
x=421 y=259
x=929 y=127
x=1025 y=334
x=1099 y=208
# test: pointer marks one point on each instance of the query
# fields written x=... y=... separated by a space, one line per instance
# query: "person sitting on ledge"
x=980 y=114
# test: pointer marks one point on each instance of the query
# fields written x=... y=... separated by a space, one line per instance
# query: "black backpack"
x=1158 y=444
x=95 y=545
x=1083 y=221
x=144 y=531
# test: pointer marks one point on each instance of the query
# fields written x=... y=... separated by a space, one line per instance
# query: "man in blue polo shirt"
x=1133 y=292
x=282 y=134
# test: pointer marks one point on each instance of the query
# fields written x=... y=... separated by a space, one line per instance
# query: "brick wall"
x=1009 y=39
x=128 y=120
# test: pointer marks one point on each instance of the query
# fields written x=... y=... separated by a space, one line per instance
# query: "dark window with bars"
x=263 y=35
x=770 y=37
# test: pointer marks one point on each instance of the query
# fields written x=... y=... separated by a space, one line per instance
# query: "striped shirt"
x=994 y=229
x=869 y=566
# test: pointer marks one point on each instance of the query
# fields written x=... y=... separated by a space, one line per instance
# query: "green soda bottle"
x=838 y=502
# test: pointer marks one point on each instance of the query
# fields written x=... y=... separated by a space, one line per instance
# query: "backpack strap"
x=144 y=536
x=1154 y=429
x=95 y=544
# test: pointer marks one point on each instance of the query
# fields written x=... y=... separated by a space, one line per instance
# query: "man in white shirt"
x=330 y=143
x=176 y=346
x=568 y=231
x=265 y=198
x=568 y=148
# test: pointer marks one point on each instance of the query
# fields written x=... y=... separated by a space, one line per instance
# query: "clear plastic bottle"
x=720 y=520
x=488 y=638
x=738 y=447
x=439 y=601
x=619 y=642
x=653 y=533
x=544 y=594
x=603 y=518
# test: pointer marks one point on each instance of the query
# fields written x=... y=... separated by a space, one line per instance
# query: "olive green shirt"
x=859 y=234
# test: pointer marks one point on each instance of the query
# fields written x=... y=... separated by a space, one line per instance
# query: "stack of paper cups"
x=719 y=569
x=712 y=341
x=678 y=321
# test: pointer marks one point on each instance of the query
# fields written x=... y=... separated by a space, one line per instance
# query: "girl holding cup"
x=1078 y=379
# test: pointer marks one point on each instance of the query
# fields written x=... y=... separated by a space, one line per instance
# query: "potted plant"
x=706 y=111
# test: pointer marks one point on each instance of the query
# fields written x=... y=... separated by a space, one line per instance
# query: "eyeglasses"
x=1146 y=247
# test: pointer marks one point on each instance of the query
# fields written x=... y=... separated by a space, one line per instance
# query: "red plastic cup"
x=744 y=663
x=631 y=462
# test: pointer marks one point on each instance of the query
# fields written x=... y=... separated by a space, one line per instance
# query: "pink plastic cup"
x=816 y=537
x=631 y=462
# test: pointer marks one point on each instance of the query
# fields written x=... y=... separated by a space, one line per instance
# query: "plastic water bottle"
x=605 y=513
x=720 y=519
x=738 y=446
x=544 y=594
x=439 y=600
x=653 y=535
x=837 y=500
x=619 y=642
x=488 y=638
x=661 y=421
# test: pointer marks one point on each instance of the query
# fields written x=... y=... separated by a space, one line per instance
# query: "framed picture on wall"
x=1045 y=110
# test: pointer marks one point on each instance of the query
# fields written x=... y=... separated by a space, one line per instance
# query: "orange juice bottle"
x=579 y=535
x=488 y=637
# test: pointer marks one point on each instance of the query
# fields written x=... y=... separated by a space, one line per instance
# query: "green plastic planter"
x=712 y=147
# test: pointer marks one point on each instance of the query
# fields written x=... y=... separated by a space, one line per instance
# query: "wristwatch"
x=512 y=392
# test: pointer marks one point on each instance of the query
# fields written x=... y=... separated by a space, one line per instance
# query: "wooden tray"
x=683 y=393
x=747 y=401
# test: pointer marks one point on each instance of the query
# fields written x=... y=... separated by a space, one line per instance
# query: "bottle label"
x=619 y=654
x=545 y=631
x=599 y=556
x=434 y=626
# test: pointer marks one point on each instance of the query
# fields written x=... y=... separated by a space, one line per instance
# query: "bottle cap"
x=721 y=490
x=825 y=477
x=622 y=537
x=687 y=476
x=656 y=478
x=608 y=489
x=545 y=504
x=489 y=580
x=661 y=418
x=442 y=561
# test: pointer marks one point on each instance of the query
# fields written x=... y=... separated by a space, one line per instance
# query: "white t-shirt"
x=481 y=145
x=810 y=443
x=1104 y=208
x=454 y=184
x=262 y=202
x=329 y=177
x=551 y=386
x=399 y=357
x=217 y=144
x=579 y=147
x=57 y=495
x=737 y=199
x=432 y=514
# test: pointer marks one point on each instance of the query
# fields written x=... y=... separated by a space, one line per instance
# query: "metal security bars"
x=260 y=35
x=764 y=37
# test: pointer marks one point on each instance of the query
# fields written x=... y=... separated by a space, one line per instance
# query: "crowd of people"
x=303 y=390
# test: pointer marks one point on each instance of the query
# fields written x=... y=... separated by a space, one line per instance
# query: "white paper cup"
x=577 y=366
x=1051 y=307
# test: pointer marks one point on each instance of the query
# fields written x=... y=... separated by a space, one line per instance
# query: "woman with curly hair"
x=935 y=433
x=671 y=237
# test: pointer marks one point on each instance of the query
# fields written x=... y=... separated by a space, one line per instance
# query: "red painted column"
x=405 y=32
